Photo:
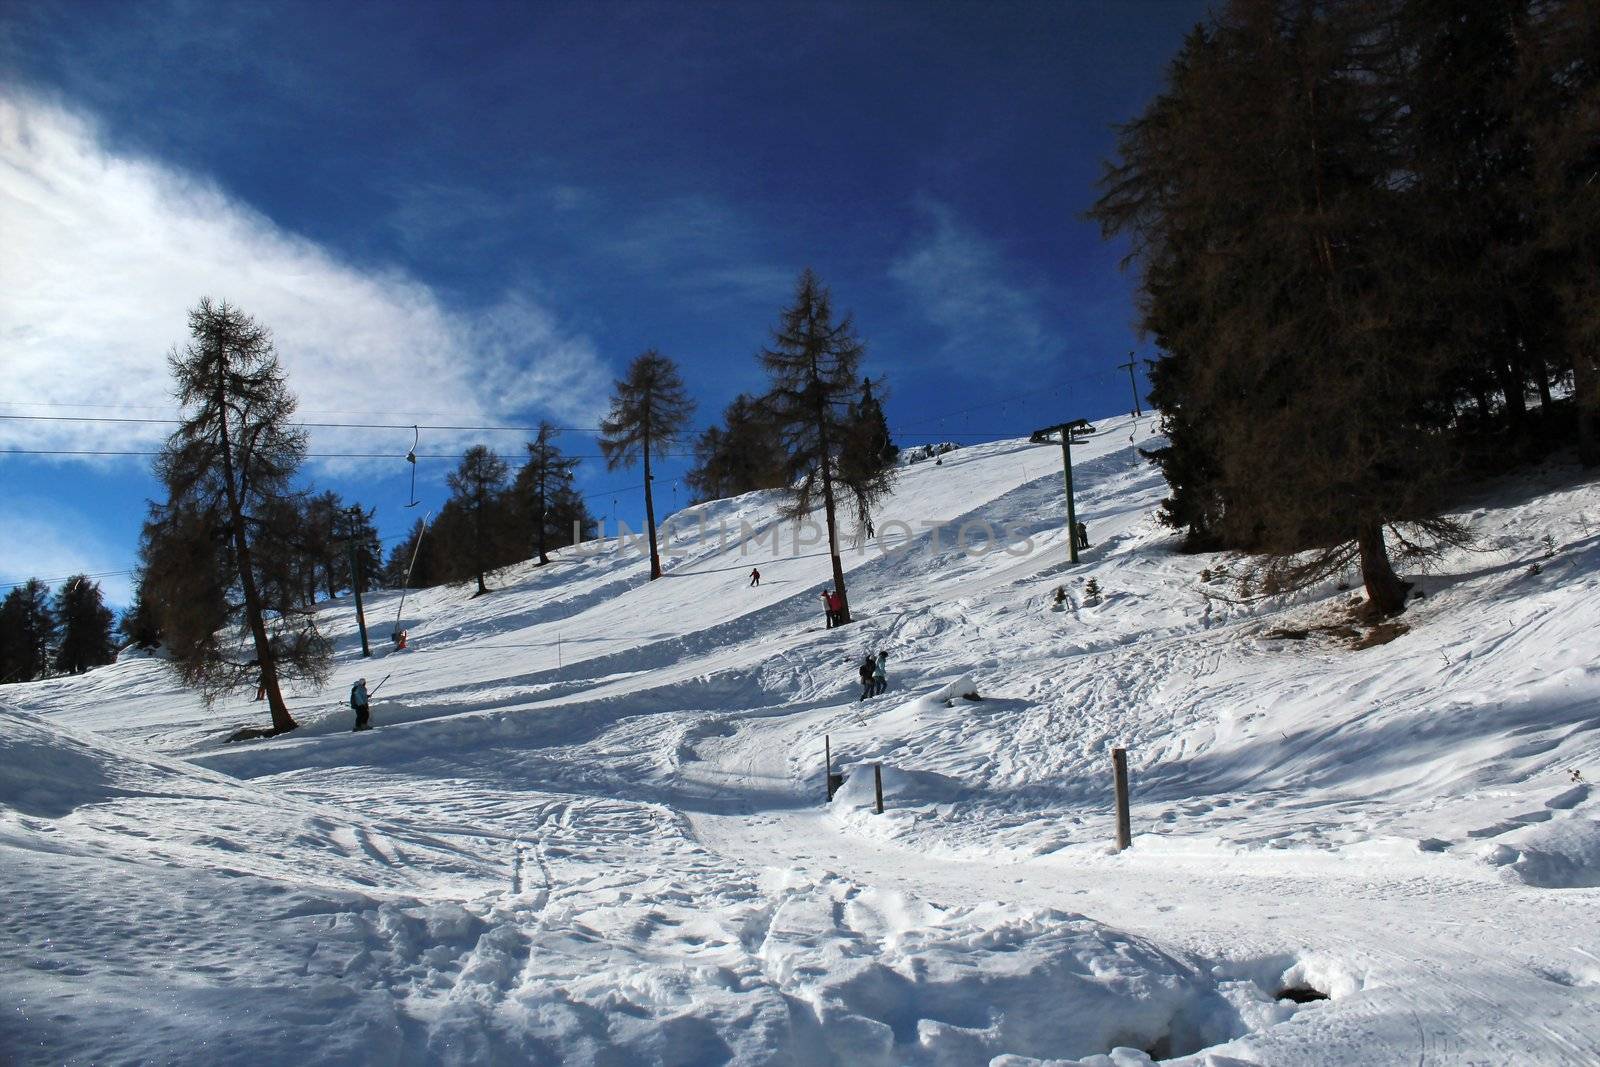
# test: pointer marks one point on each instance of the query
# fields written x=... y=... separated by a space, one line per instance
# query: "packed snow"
x=592 y=826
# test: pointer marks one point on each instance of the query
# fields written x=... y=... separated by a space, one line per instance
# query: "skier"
x=1082 y=536
x=836 y=608
x=755 y=577
x=358 y=701
x=827 y=609
x=865 y=671
x=880 y=676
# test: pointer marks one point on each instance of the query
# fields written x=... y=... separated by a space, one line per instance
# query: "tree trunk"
x=1386 y=593
x=842 y=616
x=650 y=511
x=1586 y=404
x=477 y=542
x=1511 y=385
x=538 y=520
x=282 y=721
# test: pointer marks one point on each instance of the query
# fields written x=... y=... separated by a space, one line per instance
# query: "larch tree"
x=476 y=486
x=813 y=364
x=649 y=409
x=227 y=472
x=740 y=456
x=85 y=624
x=1262 y=191
x=544 y=481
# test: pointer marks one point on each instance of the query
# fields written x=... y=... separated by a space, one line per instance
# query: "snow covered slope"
x=591 y=825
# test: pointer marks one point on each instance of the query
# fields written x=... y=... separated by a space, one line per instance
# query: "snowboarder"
x=880 y=676
x=1082 y=535
x=865 y=671
x=755 y=577
x=358 y=701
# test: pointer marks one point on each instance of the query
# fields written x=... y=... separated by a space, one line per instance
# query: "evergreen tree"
x=85 y=624
x=867 y=455
x=1559 y=83
x=27 y=632
x=741 y=456
x=543 y=482
x=476 y=486
x=649 y=409
x=227 y=472
x=409 y=566
x=138 y=623
x=814 y=366
x=357 y=538
x=1260 y=193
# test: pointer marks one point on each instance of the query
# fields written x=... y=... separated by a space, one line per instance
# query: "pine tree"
x=27 y=632
x=85 y=623
x=740 y=456
x=649 y=409
x=227 y=472
x=476 y=486
x=539 y=485
x=356 y=538
x=138 y=623
x=1261 y=195
x=410 y=565
x=814 y=366
x=1560 y=94
x=867 y=455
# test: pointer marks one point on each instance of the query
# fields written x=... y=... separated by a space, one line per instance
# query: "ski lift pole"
x=1065 y=430
x=355 y=585
x=406 y=587
x=1072 y=510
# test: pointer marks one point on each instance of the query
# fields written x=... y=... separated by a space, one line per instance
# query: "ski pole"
x=374 y=689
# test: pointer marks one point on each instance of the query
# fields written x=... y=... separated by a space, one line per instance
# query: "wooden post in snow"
x=877 y=781
x=1119 y=765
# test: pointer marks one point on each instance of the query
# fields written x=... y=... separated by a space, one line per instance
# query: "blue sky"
x=477 y=213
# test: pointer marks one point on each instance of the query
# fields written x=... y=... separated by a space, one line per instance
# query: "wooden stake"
x=827 y=766
x=1119 y=764
x=877 y=781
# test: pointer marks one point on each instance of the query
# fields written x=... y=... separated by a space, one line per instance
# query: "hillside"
x=590 y=827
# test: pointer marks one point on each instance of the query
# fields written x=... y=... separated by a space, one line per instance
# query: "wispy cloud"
x=959 y=281
x=104 y=253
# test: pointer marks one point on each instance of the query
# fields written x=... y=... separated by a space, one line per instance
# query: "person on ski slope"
x=358 y=701
x=865 y=671
x=755 y=577
x=836 y=608
x=880 y=677
x=827 y=608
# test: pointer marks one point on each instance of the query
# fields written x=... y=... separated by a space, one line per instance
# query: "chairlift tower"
x=1067 y=430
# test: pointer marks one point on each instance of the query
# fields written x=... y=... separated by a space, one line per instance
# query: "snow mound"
x=1563 y=854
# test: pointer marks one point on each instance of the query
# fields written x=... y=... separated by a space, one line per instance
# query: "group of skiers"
x=832 y=607
x=874 y=679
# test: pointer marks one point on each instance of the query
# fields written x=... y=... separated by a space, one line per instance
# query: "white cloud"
x=959 y=282
x=53 y=541
x=103 y=254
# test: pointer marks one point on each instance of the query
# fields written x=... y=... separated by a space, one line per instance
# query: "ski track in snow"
x=589 y=828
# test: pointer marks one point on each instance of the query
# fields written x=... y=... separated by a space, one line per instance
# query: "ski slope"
x=590 y=827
